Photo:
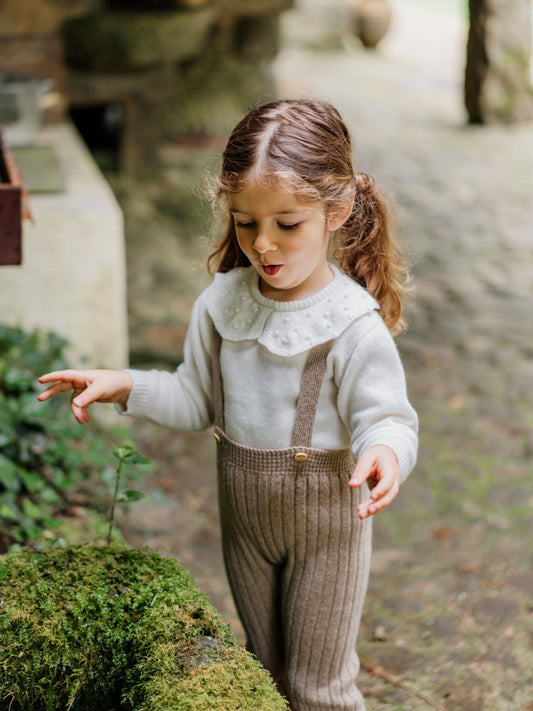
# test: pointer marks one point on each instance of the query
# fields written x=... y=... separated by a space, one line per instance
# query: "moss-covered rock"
x=136 y=40
x=88 y=628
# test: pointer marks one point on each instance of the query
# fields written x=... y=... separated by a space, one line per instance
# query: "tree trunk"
x=497 y=78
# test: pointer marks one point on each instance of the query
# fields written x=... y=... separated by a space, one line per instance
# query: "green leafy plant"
x=46 y=457
x=125 y=455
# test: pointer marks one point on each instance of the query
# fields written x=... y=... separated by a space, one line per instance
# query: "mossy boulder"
x=131 y=41
x=87 y=628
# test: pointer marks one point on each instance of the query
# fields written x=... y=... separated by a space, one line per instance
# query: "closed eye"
x=288 y=227
x=244 y=225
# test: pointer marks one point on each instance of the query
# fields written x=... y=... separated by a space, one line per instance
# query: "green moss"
x=113 y=628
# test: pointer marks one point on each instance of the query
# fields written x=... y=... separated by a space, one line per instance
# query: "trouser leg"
x=302 y=615
x=323 y=590
x=255 y=585
x=253 y=576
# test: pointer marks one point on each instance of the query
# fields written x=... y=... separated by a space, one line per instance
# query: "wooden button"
x=216 y=436
x=300 y=457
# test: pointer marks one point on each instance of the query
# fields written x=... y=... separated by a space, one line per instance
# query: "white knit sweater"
x=363 y=399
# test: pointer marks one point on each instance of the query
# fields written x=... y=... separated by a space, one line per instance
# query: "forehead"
x=257 y=198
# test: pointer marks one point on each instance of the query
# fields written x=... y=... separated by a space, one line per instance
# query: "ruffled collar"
x=286 y=328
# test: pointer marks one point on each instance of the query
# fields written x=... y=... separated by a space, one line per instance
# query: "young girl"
x=290 y=356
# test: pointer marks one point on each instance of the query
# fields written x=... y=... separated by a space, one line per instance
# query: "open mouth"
x=271 y=269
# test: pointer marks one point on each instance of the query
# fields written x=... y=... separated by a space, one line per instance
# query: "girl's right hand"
x=88 y=386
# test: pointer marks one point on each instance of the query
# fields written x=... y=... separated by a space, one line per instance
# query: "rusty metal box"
x=13 y=208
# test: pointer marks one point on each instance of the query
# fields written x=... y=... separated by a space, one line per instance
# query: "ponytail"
x=369 y=253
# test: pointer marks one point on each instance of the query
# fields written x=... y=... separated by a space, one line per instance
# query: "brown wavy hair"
x=303 y=146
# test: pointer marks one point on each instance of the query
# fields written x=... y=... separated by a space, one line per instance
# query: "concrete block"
x=73 y=275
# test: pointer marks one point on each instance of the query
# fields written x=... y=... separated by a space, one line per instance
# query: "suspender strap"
x=218 y=392
x=307 y=403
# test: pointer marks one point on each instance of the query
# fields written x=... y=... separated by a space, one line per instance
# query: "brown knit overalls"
x=297 y=555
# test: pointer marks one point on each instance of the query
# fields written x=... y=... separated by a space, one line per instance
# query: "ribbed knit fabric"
x=297 y=556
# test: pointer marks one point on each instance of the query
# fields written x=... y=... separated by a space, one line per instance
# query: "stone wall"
x=30 y=43
x=174 y=67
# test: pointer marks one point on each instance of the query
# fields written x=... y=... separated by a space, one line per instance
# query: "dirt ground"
x=448 y=622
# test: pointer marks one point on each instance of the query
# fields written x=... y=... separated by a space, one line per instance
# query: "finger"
x=61 y=375
x=80 y=413
x=363 y=469
x=366 y=509
x=371 y=507
x=54 y=390
x=382 y=487
x=87 y=395
x=363 y=511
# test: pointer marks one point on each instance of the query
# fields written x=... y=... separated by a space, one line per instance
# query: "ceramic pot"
x=372 y=21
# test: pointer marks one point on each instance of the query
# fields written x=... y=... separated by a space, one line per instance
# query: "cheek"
x=244 y=244
x=307 y=245
x=295 y=244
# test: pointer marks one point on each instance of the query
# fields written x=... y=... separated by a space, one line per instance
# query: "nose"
x=263 y=243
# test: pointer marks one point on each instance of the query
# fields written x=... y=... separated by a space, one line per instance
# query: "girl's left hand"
x=379 y=467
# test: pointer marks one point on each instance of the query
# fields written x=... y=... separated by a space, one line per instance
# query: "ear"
x=339 y=215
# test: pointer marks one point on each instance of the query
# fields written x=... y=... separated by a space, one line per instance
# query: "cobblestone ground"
x=448 y=622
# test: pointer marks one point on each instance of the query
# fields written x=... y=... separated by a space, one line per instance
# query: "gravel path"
x=449 y=617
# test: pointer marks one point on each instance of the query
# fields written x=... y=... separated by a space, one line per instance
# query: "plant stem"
x=115 y=495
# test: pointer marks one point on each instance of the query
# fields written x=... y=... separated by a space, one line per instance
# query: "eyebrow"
x=282 y=212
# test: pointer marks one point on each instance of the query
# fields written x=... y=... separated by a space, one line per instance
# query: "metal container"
x=21 y=109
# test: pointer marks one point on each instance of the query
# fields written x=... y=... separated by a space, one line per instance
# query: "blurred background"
x=116 y=113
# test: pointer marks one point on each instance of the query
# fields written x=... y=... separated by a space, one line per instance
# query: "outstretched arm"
x=379 y=467
x=88 y=386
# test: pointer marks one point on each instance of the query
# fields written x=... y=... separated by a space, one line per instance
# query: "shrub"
x=44 y=453
x=114 y=629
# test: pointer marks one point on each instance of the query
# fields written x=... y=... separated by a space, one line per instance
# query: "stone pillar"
x=497 y=78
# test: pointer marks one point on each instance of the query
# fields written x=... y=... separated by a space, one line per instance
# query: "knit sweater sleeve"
x=182 y=399
x=372 y=396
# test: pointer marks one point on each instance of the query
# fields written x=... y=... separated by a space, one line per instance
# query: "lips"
x=271 y=269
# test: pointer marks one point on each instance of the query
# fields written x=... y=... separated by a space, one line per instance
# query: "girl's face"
x=285 y=240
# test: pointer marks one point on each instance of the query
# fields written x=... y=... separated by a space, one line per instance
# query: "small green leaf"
x=131 y=495
x=36 y=513
x=8 y=512
x=127 y=453
x=6 y=438
x=136 y=458
x=122 y=452
x=9 y=474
